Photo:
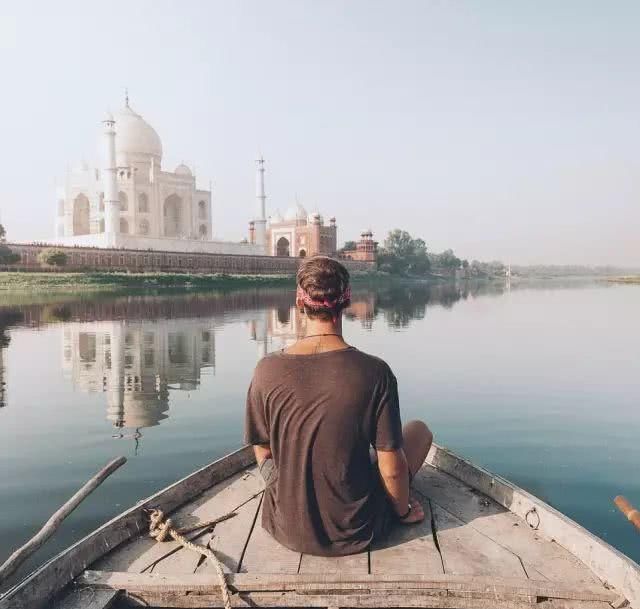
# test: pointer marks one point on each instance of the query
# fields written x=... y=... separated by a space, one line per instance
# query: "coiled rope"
x=161 y=528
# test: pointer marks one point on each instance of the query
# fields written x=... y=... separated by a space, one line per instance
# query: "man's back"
x=320 y=413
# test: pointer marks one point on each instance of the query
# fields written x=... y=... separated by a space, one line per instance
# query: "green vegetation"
x=403 y=255
x=143 y=281
x=348 y=246
x=7 y=256
x=53 y=257
x=626 y=279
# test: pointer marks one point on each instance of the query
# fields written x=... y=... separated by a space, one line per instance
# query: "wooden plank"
x=319 y=583
x=264 y=554
x=242 y=488
x=145 y=553
x=230 y=538
x=408 y=549
x=542 y=558
x=610 y=565
x=354 y=564
x=44 y=582
x=86 y=598
x=365 y=601
x=465 y=551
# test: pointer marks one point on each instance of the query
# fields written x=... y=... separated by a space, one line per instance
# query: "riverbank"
x=76 y=282
x=56 y=282
x=37 y=282
x=628 y=279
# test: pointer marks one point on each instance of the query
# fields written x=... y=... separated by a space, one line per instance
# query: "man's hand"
x=416 y=514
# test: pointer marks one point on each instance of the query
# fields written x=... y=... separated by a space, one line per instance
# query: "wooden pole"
x=50 y=527
x=628 y=510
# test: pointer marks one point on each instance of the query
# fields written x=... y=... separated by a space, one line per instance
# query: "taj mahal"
x=131 y=202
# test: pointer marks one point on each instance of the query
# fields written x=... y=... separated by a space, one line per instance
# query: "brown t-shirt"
x=320 y=414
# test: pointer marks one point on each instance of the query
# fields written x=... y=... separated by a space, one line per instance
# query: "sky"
x=502 y=130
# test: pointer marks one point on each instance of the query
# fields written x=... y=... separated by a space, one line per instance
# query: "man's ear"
x=299 y=304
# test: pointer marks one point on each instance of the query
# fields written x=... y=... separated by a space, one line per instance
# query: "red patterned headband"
x=327 y=303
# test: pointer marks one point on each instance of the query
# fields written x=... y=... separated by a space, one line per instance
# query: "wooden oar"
x=50 y=527
x=633 y=515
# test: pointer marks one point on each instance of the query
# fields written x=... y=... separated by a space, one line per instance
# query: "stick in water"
x=50 y=527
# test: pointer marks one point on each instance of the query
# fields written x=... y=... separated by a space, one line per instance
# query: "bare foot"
x=416 y=514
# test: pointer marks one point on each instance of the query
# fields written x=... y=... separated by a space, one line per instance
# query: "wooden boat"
x=485 y=543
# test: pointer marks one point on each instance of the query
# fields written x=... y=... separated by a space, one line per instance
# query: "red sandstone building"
x=298 y=234
x=366 y=249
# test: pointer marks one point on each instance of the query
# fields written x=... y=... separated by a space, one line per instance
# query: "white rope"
x=160 y=529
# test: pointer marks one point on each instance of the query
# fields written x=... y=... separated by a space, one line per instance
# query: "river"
x=538 y=383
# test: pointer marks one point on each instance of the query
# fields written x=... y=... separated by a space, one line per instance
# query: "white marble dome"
x=183 y=170
x=295 y=213
x=276 y=218
x=134 y=136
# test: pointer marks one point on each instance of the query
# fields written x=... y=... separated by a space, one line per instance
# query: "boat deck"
x=468 y=552
x=485 y=544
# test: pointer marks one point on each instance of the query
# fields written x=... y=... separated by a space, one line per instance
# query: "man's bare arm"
x=394 y=471
x=262 y=452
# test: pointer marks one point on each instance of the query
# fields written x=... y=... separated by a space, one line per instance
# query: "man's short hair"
x=323 y=279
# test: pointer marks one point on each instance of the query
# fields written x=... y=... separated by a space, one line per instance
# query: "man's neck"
x=320 y=336
x=317 y=327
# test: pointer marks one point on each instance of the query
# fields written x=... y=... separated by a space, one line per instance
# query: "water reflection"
x=138 y=349
x=9 y=317
x=500 y=375
x=136 y=364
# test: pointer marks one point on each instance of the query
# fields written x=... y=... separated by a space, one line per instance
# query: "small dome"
x=276 y=218
x=108 y=118
x=315 y=216
x=183 y=170
x=295 y=212
x=135 y=136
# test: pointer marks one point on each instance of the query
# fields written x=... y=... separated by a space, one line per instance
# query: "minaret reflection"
x=136 y=364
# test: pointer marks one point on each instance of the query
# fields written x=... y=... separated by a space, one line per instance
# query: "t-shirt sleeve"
x=256 y=428
x=387 y=432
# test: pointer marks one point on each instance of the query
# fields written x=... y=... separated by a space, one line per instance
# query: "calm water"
x=539 y=384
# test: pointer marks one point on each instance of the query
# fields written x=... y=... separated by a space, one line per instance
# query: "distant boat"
x=484 y=543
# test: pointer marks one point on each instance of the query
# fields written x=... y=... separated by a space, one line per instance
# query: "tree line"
x=406 y=256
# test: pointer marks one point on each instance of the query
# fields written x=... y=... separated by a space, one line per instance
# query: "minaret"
x=260 y=221
x=110 y=183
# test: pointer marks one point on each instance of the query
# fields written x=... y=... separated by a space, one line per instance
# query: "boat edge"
x=608 y=563
x=49 y=578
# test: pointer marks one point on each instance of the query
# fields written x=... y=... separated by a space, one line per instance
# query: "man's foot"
x=416 y=514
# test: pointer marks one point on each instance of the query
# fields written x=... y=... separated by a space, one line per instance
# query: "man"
x=314 y=411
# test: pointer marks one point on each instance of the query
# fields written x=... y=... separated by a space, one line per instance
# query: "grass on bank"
x=627 y=279
x=11 y=281
x=16 y=281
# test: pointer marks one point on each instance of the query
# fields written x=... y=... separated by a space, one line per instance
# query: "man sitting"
x=314 y=411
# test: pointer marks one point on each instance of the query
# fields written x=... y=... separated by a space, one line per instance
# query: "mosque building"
x=131 y=202
x=297 y=233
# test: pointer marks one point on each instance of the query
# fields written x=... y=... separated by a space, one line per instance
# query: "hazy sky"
x=503 y=130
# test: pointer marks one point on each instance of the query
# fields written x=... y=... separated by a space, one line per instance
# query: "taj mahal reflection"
x=136 y=364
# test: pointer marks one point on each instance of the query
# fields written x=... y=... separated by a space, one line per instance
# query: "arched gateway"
x=282 y=247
